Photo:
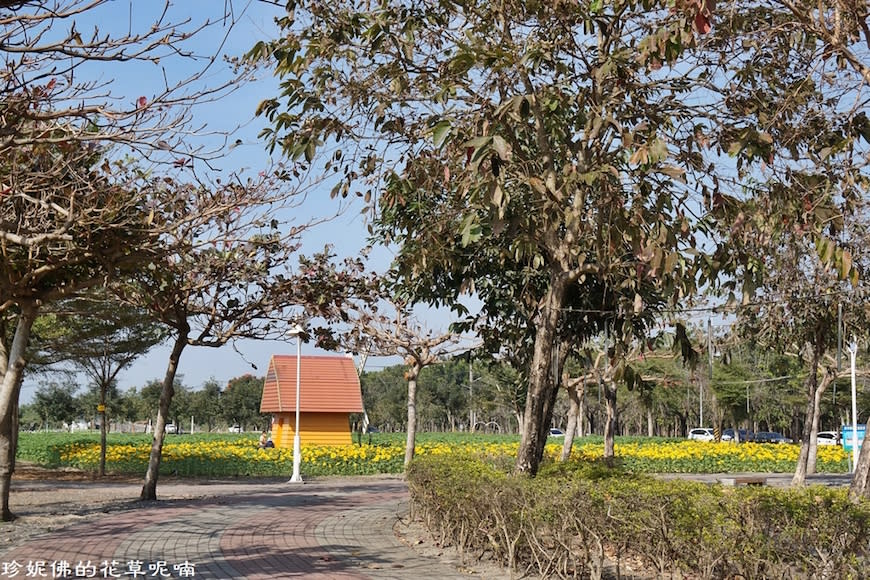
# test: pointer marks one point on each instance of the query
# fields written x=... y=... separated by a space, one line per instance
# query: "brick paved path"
x=334 y=528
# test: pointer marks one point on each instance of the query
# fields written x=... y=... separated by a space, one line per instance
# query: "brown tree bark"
x=575 y=388
x=542 y=388
x=800 y=472
x=860 y=487
x=827 y=379
x=149 y=488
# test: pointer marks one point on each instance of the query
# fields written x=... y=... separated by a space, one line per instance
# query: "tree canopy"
x=536 y=154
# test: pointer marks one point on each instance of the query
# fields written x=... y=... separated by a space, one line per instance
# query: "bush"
x=578 y=521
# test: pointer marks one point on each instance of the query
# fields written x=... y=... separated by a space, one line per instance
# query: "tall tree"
x=241 y=402
x=71 y=215
x=207 y=401
x=400 y=334
x=99 y=337
x=534 y=153
x=56 y=403
x=62 y=231
x=230 y=273
x=796 y=232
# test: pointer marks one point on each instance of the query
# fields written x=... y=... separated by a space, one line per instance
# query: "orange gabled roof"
x=327 y=384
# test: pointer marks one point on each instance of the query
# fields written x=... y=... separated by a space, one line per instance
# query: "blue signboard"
x=846 y=436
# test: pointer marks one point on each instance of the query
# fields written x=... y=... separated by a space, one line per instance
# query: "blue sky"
x=233 y=114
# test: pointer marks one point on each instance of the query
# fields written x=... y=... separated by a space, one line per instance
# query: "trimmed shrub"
x=582 y=520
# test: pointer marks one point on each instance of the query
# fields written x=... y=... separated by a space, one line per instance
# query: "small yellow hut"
x=329 y=391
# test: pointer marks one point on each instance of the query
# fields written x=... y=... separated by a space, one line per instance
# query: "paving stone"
x=335 y=528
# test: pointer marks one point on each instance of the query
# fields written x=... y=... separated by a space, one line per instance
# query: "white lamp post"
x=853 y=351
x=297 y=331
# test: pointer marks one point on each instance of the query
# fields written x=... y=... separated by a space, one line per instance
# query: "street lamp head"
x=296 y=332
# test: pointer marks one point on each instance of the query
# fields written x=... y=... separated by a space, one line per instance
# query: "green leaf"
x=461 y=63
x=440 y=132
x=471 y=231
x=481 y=146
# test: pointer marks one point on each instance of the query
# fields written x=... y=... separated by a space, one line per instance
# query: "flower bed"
x=238 y=455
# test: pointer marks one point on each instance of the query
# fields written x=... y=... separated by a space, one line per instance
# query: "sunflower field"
x=215 y=455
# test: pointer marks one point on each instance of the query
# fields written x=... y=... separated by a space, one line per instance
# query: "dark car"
x=728 y=435
x=771 y=437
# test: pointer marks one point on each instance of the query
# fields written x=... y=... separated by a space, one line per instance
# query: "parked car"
x=701 y=434
x=827 y=438
x=728 y=435
x=771 y=437
x=236 y=429
x=556 y=432
x=171 y=428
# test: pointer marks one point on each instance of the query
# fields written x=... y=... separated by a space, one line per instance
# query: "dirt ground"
x=48 y=499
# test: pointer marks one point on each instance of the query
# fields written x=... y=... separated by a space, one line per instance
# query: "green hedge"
x=596 y=519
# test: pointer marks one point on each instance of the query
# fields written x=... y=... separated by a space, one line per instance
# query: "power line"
x=752 y=381
x=720 y=309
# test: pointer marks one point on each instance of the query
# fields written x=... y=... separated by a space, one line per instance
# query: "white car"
x=235 y=429
x=827 y=438
x=701 y=434
x=171 y=428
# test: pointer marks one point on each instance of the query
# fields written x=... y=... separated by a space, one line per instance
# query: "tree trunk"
x=9 y=392
x=650 y=423
x=827 y=379
x=860 y=487
x=413 y=373
x=149 y=489
x=800 y=472
x=103 y=428
x=542 y=387
x=575 y=389
x=610 y=419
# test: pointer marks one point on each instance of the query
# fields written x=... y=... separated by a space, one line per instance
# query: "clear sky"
x=233 y=114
